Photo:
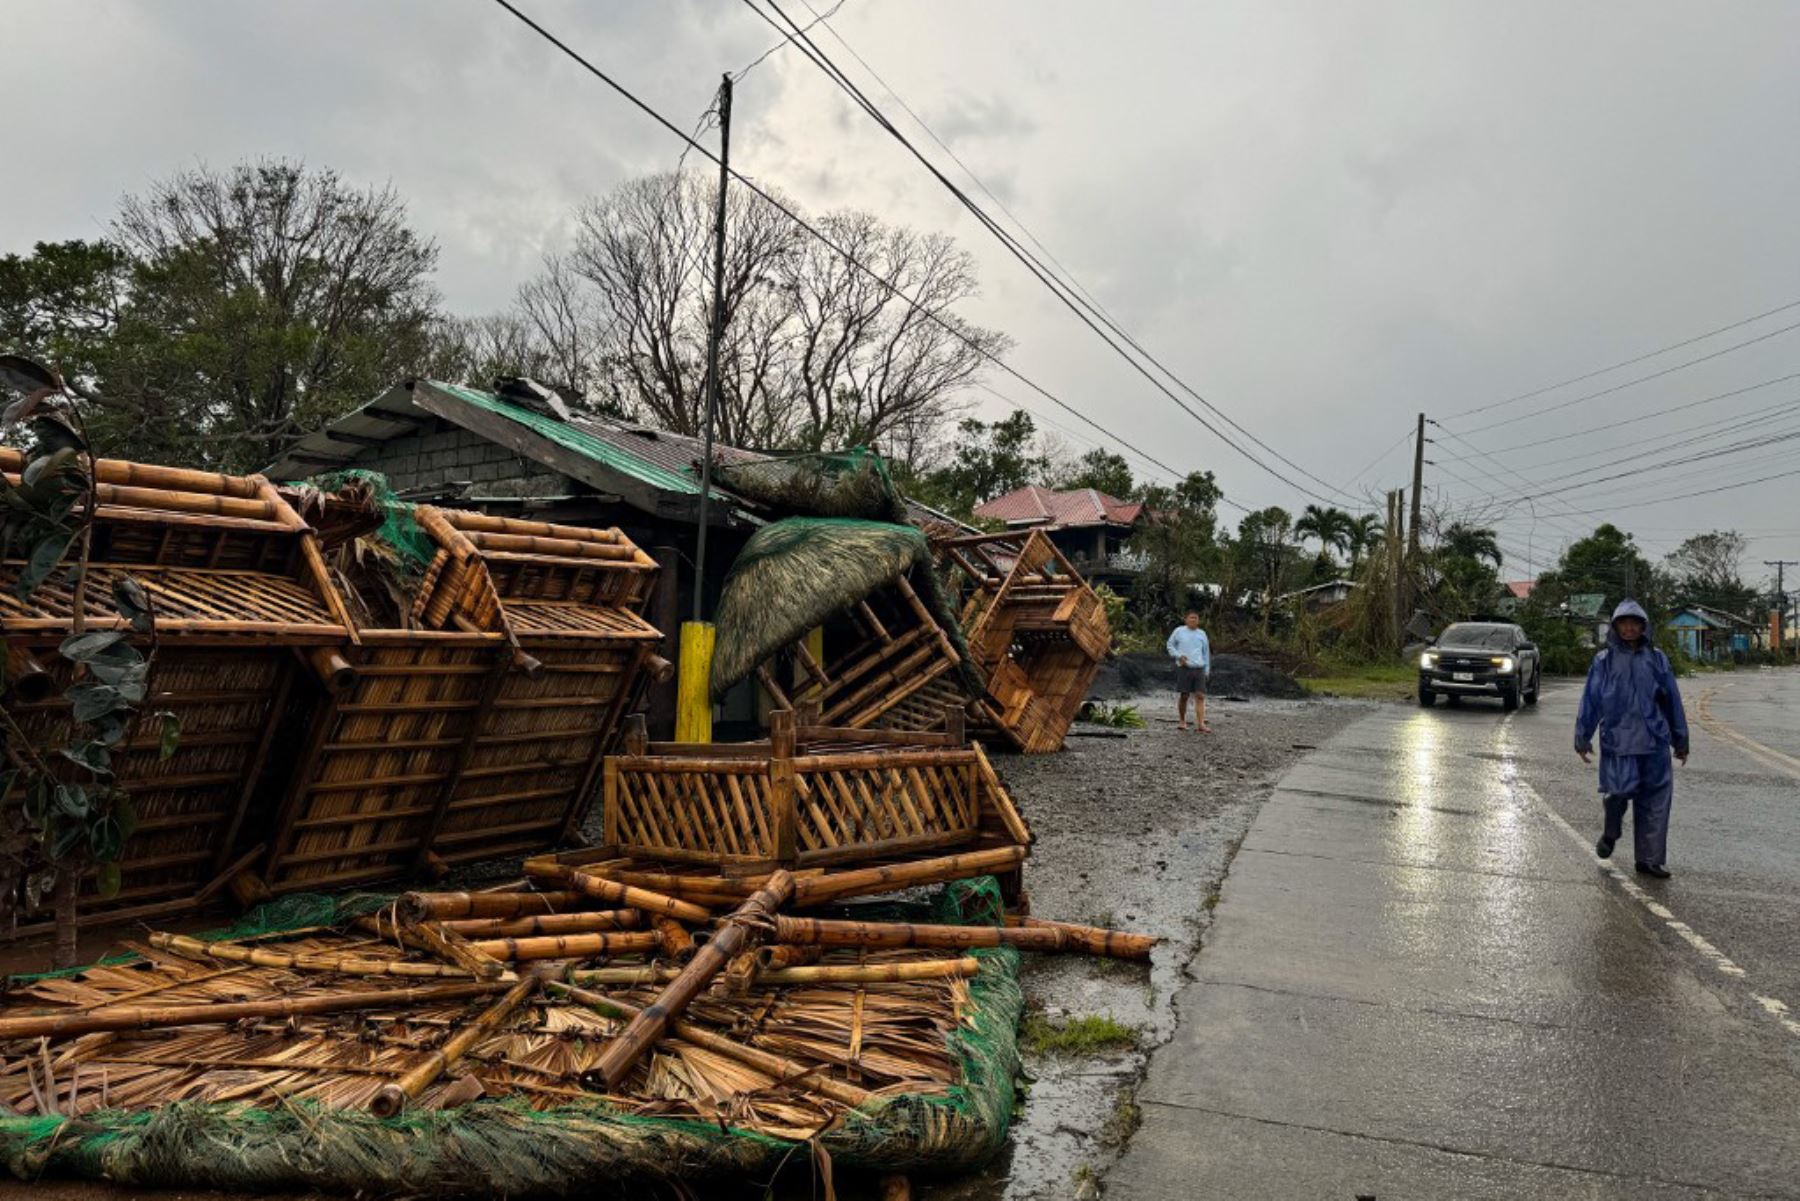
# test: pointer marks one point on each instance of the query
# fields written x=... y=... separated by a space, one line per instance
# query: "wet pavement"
x=1420 y=983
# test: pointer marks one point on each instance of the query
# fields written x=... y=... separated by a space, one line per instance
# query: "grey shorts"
x=1190 y=679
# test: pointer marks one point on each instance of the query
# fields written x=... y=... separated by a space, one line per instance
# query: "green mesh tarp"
x=794 y=574
x=399 y=529
x=849 y=483
x=502 y=1148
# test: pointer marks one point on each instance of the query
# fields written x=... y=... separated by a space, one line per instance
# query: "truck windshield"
x=1477 y=634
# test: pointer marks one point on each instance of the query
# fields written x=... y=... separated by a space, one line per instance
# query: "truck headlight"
x=1428 y=660
x=1504 y=663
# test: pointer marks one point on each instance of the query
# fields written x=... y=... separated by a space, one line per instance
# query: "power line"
x=1062 y=291
x=1625 y=363
x=1632 y=383
x=1663 y=500
x=895 y=289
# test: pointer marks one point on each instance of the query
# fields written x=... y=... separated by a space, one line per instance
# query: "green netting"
x=794 y=574
x=399 y=528
x=848 y=483
x=499 y=1147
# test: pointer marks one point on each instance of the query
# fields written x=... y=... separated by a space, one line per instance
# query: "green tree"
x=1178 y=540
x=1265 y=545
x=1707 y=569
x=991 y=459
x=1363 y=535
x=1330 y=527
x=1103 y=471
x=1607 y=561
x=1464 y=566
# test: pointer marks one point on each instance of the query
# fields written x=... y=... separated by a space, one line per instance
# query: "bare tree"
x=561 y=314
x=816 y=351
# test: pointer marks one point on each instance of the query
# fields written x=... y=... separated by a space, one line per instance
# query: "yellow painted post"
x=693 y=704
x=815 y=646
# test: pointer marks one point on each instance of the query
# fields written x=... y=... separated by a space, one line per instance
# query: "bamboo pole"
x=785 y=955
x=827 y=933
x=547 y=923
x=614 y=893
x=1113 y=944
x=393 y=1097
x=822 y=973
x=643 y=1031
x=869 y=881
x=539 y=544
x=417 y=907
x=677 y=943
x=449 y=945
x=344 y=965
x=152 y=1017
x=784 y=1070
x=570 y=946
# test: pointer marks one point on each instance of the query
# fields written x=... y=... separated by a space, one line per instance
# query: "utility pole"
x=1418 y=492
x=1780 y=566
x=693 y=702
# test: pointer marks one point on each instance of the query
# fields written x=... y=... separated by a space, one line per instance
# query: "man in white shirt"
x=1193 y=664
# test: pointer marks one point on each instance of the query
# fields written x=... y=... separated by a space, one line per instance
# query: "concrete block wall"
x=440 y=456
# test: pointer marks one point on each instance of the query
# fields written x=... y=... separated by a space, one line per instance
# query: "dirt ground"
x=1134 y=831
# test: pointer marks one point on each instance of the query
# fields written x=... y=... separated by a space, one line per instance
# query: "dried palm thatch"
x=853 y=483
x=794 y=574
x=495 y=1085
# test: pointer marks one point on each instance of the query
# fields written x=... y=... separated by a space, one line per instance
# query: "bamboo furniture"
x=244 y=611
x=472 y=726
x=1038 y=633
x=810 y=795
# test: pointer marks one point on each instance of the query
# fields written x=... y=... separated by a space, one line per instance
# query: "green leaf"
x=170 y=737
x=125 y=813
x=71 y=801
x=90 y=701
x=133 y=604
x=44 y=558
x=54 y=433
x=108 y=877
x=104 y=839
x=51 y=464
x=121 y=674
x=90 y=755
x=111 y=728
x=65 y=836
x=40 y=794
x=85 y=648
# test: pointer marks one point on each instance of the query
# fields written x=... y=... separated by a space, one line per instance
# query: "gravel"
x=1128 y=676
x=1135 y=832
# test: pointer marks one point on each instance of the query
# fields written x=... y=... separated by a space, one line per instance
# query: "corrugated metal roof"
x=1036 y=505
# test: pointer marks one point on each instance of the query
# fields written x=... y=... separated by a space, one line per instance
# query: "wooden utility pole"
x=1780 y=630
x=1418 y=493
x=693 y=699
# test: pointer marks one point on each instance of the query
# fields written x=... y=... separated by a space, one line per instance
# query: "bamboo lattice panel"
x=848 y=813
x=714 y=812
x=181 y=594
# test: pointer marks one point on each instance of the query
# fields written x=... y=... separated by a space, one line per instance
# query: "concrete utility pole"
x=1418 y=493
x=693 y=701
x=1780 y=566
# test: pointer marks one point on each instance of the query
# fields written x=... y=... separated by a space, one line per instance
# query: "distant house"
x=1319 y=596
x=1086 y=524
x=1708 y=633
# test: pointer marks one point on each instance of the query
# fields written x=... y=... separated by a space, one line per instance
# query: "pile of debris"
x=553 y=1033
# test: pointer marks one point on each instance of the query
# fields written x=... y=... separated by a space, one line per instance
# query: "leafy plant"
x=60 y=806
x=1113 y=716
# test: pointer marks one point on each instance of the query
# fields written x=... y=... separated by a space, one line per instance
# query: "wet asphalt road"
x=1420 y=983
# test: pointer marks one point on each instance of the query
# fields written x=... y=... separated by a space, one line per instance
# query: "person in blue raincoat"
x=1632 y=701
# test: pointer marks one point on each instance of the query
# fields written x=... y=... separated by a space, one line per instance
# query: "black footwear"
x=1604 y=847
x=1653 y=869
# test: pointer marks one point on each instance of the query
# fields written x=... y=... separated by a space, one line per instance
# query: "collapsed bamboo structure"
x=1036 y=630
x=243 y=604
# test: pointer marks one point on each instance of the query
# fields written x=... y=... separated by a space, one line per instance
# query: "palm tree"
x=1361 y=535
x=1328 y=525
x=1461 y=541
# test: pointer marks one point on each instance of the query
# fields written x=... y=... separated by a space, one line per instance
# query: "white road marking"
x=1722 y=962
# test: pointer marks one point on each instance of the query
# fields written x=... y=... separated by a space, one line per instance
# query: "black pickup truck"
x=1480 y=658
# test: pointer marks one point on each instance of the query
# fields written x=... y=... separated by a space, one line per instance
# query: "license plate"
x=1463 y=677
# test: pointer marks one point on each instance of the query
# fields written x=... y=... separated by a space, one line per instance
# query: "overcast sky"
x=1325 y=217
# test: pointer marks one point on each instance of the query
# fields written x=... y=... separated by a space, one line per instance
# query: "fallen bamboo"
x=547 y=923
x=152 y=1017
x=417 y=907
x=570 y=946
x=784 y=1070
x=612 y=892
x=782 y=955
x=828 y=933
x=828 y=973
x=1094 y=940
x=893 y=877
x=643 y=1031
x=677 y=943
x=448 y=944
x=391 y=1098
x=343 y=965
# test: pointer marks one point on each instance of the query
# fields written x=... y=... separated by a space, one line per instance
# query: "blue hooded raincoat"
x=1632 y=701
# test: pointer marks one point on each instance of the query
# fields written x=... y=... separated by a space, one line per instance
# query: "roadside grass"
x=1086 y=1034
x=1366 y=681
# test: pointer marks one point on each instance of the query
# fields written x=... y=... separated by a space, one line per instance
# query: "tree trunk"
x=68 y=888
